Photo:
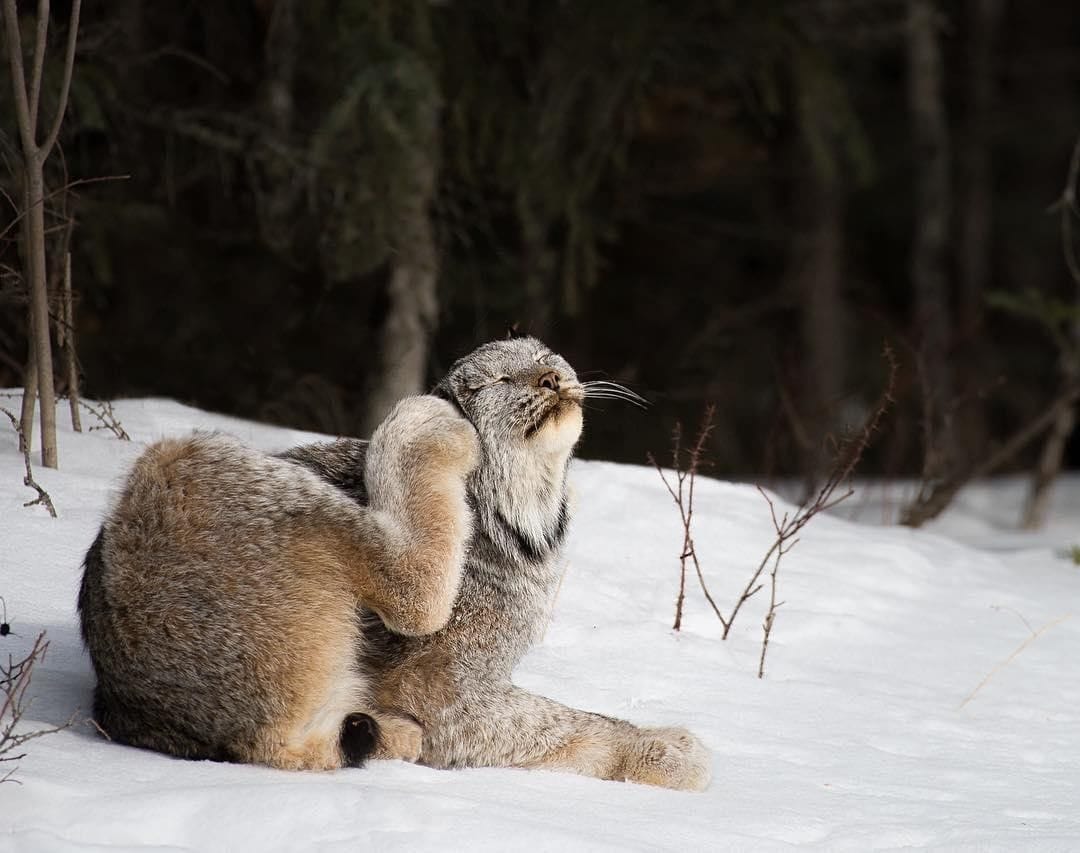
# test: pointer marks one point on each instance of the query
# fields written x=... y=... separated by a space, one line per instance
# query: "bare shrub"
x=107 y=418
x=846 y=456
x=15 y=678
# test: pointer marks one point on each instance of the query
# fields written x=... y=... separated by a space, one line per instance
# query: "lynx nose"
x=549 y=380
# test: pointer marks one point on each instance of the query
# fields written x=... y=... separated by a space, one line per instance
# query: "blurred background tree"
x=710 y=201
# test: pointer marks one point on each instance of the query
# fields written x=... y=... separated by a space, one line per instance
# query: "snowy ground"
x=870 y=730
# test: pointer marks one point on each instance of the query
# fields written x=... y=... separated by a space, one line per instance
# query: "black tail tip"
x=359 y=734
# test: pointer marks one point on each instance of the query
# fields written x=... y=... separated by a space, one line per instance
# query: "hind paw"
x=400 y=738
x=669 y=758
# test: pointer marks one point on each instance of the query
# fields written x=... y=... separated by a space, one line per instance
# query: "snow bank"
x=870 y=730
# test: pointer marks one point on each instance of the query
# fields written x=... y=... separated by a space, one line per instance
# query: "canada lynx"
x=349 y=599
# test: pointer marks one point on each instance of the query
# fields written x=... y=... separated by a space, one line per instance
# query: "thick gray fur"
x=453 y=683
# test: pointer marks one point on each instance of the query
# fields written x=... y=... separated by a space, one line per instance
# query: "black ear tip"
x=359 y=734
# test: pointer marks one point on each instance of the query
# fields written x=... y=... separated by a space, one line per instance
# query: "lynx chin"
x=358 y=599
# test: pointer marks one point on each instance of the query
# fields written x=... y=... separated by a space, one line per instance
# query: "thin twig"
x=848 y=455
x=79 y=182
x=65 y=80
x=40 y=40
x=29 y=481
x=1016 y=652
x=1069 y=210
x=107 y=418
x=929 y=506
x=683 y=495
x=15 y=679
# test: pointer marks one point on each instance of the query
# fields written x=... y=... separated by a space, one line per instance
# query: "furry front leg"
x=416 y=471
x=508 y=727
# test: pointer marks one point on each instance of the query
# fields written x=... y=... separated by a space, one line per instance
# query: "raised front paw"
x=669 y=758
x=427 y=430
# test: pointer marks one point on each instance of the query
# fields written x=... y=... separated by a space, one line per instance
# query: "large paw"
x=429 y=430
x=669 y=758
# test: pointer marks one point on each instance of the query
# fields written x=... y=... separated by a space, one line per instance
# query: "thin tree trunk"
x=29 y=399
x=977 y=220
x=929 y=256
x=1053 y=452
x=69 y=347
x=39 y=309
x=818 y=276
x=405 y=337
x=404 y=340
x=34 y=156
x=281 y=185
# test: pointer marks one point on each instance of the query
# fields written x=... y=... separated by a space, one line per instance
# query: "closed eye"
x=474 y=388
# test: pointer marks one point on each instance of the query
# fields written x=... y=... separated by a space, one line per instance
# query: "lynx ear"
x=514 y=331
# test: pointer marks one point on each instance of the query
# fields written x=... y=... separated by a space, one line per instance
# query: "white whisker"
x=617 y=392
x=596 y=386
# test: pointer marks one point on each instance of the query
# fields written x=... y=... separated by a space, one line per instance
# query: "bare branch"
x=15 y=679
x=107 y=418
x=683 y=495
x=41 y=38
x=848 y=455
x=930 y=505
x=1068 y=211
x=29 y=481
x=65 y=84
x=18 y=77
x=68 y=186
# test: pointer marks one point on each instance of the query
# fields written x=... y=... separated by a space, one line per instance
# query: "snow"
x=874 y=727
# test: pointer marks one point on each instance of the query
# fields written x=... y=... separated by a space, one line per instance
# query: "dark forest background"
x=736 y=203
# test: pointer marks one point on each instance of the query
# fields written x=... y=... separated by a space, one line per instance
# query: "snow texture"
x=870 y=730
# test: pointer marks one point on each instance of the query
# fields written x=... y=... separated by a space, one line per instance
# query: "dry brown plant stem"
x=931 y=504
x=848 y=455
x=683 y=495
x=1015 y=653
x=786 y=527
x=15 y=677
x=107 y=419
x=28 y=480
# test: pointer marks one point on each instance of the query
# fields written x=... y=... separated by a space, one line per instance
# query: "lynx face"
x=518 y=392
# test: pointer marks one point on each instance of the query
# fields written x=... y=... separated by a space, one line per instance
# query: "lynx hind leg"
x=416 y=470
x=520 y=729
x=322 y=693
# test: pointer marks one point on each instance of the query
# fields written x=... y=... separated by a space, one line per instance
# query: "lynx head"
x=526 y=404
x=519 y=395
